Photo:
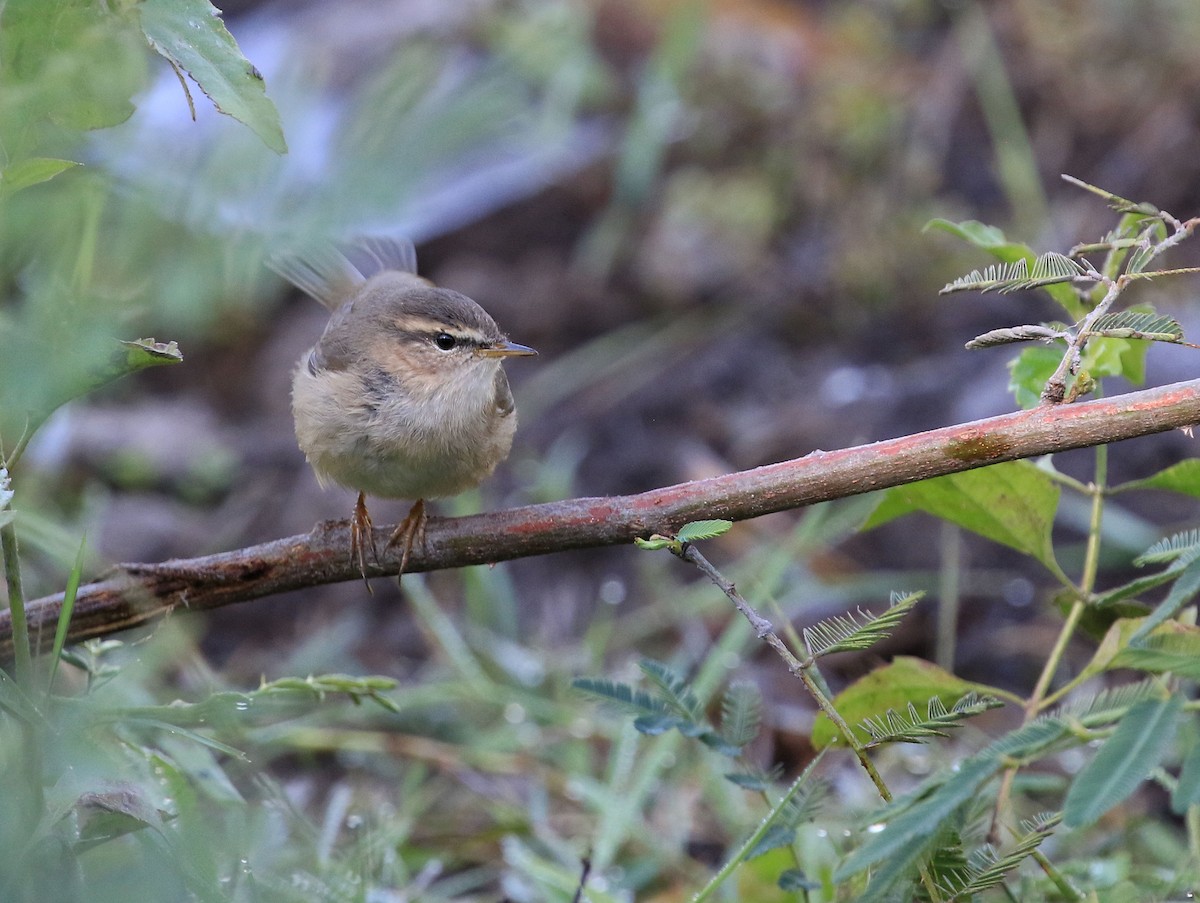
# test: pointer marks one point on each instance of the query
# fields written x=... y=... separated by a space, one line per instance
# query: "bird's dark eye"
x=445 y=341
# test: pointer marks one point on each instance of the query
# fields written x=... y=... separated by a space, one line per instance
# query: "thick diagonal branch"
x=143 y=592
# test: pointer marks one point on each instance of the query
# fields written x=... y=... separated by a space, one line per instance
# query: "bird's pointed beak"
x=507 y=349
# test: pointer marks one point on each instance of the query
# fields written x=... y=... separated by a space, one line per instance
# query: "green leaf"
x=847 y=633
x=911 y=727
x=911 y=824
x=1173 y=648
x=1183 y=478
x=1187 y=789
x=1185 y=588
x=1115 y=357
x=904 y=680
x=192 y=37
x=1011 y=503
x=1139 y=324
x=775 y=836
x=703 y=529
x=679 y=697
x=1019 y=275
x=620 y=695
x=1028 y=373
x=31 y=171
x=992 y=240
x=64 y=613
x=1134 y=750
x=654 y=543
x=741 y=713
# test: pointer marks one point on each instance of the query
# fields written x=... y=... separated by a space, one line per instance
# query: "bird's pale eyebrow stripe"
x=415 y=324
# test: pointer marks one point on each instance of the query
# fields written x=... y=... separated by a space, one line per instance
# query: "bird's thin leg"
x=362 y=533
x=410 y=530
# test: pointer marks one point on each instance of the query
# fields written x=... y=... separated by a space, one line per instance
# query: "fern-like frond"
x=1130 y=324
x=985 y=868
x=848 y=632
x=620 y=695
x=741 y=713
x=910 y=727
x=1010 y=334
x=1184 y=546
x=677 y=695
x=1048 y=269
x=1108 y=706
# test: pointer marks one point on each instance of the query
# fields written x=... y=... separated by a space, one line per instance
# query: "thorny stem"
x=805 y=670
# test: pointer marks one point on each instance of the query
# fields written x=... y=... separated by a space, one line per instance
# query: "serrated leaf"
x=850 y=633
x=1012 y=503
x=1135 y=749
x=893 y=686
x=985 y=868
x=1010 y=334
x=192 y=37
x=1179 y=546
x=703 y=529
x=1183 y=478
x=31 y=171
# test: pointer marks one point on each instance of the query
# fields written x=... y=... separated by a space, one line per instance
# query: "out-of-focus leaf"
x=1028 y=373
x=1173 y=648
x=1187 y=790
x=31 y=171
x=1126 y=758
x=192 y=37
x=1183 y=478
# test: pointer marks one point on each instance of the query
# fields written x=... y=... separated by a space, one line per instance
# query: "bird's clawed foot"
x=410 y=530
x=362 y=534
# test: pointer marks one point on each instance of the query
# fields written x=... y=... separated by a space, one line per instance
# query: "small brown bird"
x=404 y=395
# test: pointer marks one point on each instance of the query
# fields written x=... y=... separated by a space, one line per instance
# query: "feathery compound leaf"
x=895 y=727
x=1181 y=545
x=985 y=868
x=1010 y=334
x=703 y=529
x=741 y=713
x=620 y=695
x=1130 y=324
x=1115 y=201
x=1109 y=706
x=1048 y=269
x=1126 y=758
x=845 y=633
x=678 y=697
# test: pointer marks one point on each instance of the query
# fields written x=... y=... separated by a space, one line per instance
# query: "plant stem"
x=16 y=605
x=806 y=671
x=763 y=826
